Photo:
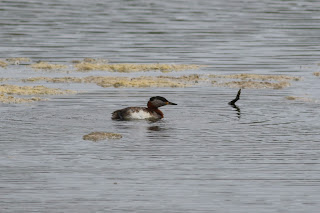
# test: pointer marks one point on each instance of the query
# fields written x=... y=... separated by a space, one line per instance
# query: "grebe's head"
x=158 y=101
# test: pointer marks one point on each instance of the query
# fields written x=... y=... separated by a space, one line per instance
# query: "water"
x=205 y=156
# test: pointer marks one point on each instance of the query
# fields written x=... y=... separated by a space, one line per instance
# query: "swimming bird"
x=150 y=112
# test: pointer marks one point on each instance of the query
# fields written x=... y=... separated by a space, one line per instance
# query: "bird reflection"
x=154 y=128
x=237 y=109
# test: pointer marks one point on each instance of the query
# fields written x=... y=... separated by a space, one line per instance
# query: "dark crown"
x=158 y=98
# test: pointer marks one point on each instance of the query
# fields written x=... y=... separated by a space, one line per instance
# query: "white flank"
x=140 y=115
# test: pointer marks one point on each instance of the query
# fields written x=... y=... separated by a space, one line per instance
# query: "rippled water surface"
x=204 y=156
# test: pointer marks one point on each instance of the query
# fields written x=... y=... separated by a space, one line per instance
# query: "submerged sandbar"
x=8 y=99
x=303 y=99
x=316 y=73
x=98 y=136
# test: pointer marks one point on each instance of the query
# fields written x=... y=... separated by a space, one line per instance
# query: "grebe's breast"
x=141 y=113
x=130 y=113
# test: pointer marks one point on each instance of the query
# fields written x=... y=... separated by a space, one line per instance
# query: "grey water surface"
x=204 y=156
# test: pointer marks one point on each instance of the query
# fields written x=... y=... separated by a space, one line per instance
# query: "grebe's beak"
x=170 y=103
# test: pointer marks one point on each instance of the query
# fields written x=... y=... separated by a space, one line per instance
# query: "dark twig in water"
x=236 y=99
x=232 y=103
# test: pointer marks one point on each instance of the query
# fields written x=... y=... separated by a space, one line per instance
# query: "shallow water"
x=204 y=156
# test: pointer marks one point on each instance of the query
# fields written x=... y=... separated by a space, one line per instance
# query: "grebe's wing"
x=127 y=113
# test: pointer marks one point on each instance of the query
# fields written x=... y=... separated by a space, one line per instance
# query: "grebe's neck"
x=152 y=108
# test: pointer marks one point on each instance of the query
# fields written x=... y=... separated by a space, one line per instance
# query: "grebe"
x=151 y=112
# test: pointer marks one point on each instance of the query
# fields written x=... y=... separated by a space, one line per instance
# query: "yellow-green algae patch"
x=169 y=81
x=46 y=66
x=3 y=79
x=86 y=66
x=187 y=78
x=143 y=81
x=112 y=81
x=55 y=80
x=95 y=60
x=91 y=60
x=18 y=60
x=10 y=99
x=316 y=73
x=245 y=76
x=255 y=81
x=3 y=64
x=98 y=136
x=253 y=84
x=31 y=90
